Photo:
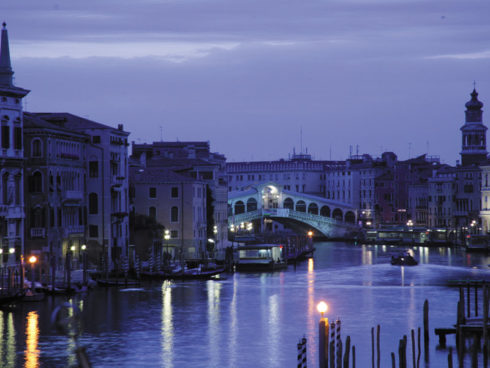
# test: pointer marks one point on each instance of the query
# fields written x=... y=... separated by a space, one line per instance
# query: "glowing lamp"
x=32 y=259
x=84 y=247
x=11 y=250
x=72 y=248
x=322 y=307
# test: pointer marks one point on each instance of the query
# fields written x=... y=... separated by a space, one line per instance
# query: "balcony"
x=38 y=232
x=72 y=196
x=73 y=229
x=11 y=211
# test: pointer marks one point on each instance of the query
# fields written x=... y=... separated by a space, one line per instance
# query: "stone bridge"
x=330 y=218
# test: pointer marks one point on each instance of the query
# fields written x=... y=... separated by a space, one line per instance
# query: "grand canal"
x=251 y=320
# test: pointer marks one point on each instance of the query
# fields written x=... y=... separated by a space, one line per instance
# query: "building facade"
x=12 y=160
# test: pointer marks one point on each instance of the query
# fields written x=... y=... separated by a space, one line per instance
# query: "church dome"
x=474 y=103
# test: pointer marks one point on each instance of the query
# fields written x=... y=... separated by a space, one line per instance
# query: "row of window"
x=174 y=192
x=17 y=138
x=174 y=213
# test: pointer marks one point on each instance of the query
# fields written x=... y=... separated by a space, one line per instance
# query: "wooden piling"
x=393 y=362
x=426 y=330
x=474 y=352
x=372 y=347
x=332 y=354
x=413 y=348
x=485 y=323
x=353 y=356
x=418 y=348
x=450 y=358
x=476 y=301
x=339 y=355
x=323 y=355
x=378 y=349
x=347 y=352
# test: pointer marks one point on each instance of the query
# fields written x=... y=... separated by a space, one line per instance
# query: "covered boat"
x=404 y=259
x=261 y=257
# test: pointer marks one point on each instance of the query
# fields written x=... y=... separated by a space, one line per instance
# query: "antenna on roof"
x=301 y=139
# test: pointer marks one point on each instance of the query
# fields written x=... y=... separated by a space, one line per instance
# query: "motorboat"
x=404 y=259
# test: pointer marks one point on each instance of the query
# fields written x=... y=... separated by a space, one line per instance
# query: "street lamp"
x=32 y=261
x=323 y=328
x=322 y=307
x=166 y=236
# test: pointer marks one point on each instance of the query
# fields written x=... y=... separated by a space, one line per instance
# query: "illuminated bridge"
x=270 y=201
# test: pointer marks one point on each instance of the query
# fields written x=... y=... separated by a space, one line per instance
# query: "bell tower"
x=474 y=133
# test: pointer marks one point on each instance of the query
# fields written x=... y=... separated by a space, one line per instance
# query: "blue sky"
x=249 y=75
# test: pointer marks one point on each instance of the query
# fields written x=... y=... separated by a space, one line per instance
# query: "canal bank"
x=252 y=319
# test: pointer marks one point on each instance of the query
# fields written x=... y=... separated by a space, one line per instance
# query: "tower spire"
x=5 y=65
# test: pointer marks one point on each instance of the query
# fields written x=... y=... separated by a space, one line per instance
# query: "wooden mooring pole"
x=353 y=356
x=426 y=330
x=347 y=352
x=485 y=324
x=378 y=349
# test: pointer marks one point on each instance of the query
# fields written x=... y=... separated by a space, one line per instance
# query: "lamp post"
x=166 y=236
x=32 y=261
x=84 y=260
x=322 y=307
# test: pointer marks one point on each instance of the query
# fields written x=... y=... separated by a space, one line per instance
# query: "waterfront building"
x=177 y=203
x=441 y=199
x=195 y=160
x=55 y=199
x=107 y=188
x=300 y=173
x=485 y=197
x=12 y=155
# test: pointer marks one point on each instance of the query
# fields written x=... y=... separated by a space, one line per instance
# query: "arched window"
x=152 y=212
x=288 y=203
x=251 y=205
x=174 y=214
x=36 y=148
x=93 y=204
x=36 y=182
x=313 y=209
x=18 y=188
x=337 y=214
x=350 y=217
x=5 y=181
x=239 y=207
x=325 y=211
x=301 y=206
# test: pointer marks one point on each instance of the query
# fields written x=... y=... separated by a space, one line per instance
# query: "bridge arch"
x=239 y=207
x=251 y=204
x=301 y=206
x=350 y=217
x=337 y=214
x=288 y=203
x=325 y=211
x=313 y=208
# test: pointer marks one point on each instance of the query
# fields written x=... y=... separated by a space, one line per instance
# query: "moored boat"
x=404 y=259
x=260 y=257
x=477 y=243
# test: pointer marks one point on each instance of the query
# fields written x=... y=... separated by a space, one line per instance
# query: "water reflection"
x=214 y=293
x=32 y=339
x=311 y=327
x=7 y=345
x=167 y=334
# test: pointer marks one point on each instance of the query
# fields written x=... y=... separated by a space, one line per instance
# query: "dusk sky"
x=248 y=75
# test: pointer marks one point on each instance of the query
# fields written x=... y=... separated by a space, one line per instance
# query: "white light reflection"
x=214 y=293
x=402 y=268
x=367 y=256
x=274 y=329
x=32 y=338
x=311 y=325
x=233 y=324
x=424 y=254
x=11 y=348
x=167 y=325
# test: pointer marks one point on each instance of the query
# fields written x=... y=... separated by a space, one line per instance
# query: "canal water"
x=251 y=319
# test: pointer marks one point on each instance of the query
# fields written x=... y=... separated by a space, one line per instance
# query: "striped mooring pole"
x=302 y=353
